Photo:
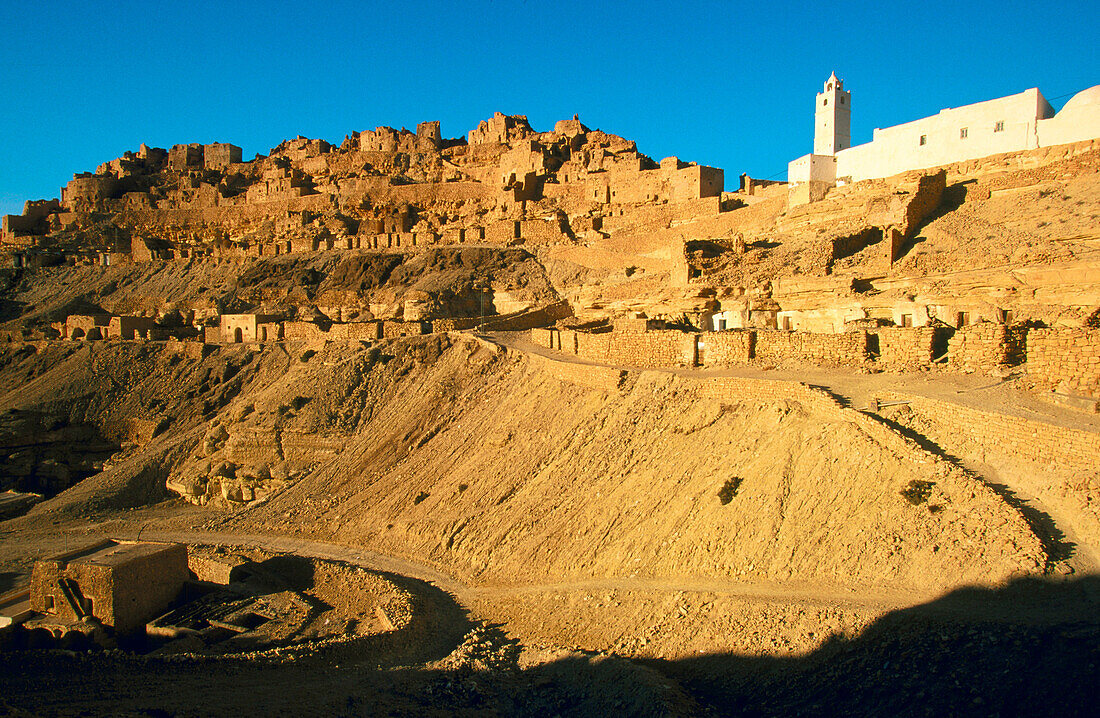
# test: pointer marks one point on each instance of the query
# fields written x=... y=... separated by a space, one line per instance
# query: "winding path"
x=875 y=599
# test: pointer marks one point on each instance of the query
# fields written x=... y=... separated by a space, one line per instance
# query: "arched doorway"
x=238 y=335
x=78 y=333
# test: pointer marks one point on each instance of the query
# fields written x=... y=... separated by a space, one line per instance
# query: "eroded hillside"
x=491 y=467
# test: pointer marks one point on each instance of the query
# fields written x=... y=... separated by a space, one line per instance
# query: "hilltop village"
x=665 y=240
x=522 y=401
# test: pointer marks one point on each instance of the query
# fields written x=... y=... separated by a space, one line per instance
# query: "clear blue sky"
x=725 y=84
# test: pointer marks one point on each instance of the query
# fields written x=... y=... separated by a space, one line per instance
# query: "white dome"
x=1085 y=98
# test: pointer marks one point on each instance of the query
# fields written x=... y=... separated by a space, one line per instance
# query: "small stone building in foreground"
x=123 y=584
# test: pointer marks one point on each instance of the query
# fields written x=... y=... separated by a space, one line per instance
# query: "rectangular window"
x=825 y=102
x=962 y=134
x=842 y=100
x=907 y=320
x=923 y=140
x=962 y=319
x=1000 y=126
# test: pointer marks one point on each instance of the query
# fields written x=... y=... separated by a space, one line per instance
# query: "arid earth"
x=496 y=526
x=633 y=589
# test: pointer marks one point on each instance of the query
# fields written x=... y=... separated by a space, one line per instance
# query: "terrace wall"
x=1067 y=358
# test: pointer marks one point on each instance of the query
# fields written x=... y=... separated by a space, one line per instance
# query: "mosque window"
x=842 y=100
x=825 y=102
x=962 y=134
x=923 y=140
x=1000 y=126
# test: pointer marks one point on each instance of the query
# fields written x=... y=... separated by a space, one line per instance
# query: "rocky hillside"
x=500 y=468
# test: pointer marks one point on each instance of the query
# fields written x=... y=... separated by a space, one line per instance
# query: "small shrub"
x=729 y=489
x=462 y=487
x=917 y=492
x=421 y=496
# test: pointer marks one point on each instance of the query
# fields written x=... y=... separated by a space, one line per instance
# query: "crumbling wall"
x=902 y=347
x=356 y=331
x=455 y=324
x=637 y=324
x=671 y=182
x=303 y=332
x=1066 y=358
x=1070 y=450
x=849 y=349
x=980 y=347
x=847 y=245
x=130 y=328
x=925 y=199
x=651 y=349
x=542 y=231
x=184 y=157
x=219 y=155
x=83 y=327
x=728 y=348
x=500 y=128
x=86 y=193
x=522 y=321
x=392 y=329
x=709 y=349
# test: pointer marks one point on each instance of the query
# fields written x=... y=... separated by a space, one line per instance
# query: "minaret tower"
x=833 y=118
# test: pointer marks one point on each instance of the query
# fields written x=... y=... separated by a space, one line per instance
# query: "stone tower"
x=833 y=118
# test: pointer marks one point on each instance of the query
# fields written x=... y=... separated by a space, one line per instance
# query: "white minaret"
x=833 y=118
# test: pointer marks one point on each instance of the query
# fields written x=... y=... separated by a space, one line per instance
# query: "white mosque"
x=1024 y=121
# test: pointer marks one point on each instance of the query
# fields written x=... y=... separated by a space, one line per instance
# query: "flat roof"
x=112 y=553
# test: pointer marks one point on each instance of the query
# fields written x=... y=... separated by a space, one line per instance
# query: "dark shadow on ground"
x=1031 y=648
x=10 y=579
x=1055 y=544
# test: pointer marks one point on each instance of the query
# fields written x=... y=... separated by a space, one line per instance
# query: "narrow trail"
x=810 y=593
x=875 y=599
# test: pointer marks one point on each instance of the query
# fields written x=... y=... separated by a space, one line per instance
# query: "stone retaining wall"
x=1066 y=358
x=984 y=346
x=1069 y=450
x=586 y=375
x=1056 y=357
x=849 y=349
x=522 y=321
x=907 y=346
x=730 y=348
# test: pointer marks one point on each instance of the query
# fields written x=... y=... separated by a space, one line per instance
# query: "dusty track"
x=876 y=599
